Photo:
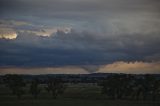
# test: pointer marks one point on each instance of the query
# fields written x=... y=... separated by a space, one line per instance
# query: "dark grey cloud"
x=71 y=9
x=84 y=14
x=103 y=31
x=76 y=48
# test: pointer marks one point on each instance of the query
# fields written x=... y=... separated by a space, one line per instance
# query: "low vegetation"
x=121 y=90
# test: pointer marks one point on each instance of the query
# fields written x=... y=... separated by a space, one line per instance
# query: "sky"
x=79 y=36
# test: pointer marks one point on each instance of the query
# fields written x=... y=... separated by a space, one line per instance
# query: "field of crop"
x=74 y=95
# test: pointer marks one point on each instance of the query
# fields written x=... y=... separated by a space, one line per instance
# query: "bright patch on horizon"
x=8 y=36
x=7 y=33
x=47 y=32
x=131 y=67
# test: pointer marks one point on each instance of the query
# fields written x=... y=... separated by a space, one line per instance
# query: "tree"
x=122 y=86
x=55 y=86
x=34 y=88
x=15 y=84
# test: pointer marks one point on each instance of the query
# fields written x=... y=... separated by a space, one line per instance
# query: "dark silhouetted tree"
x=34 y=88
x=55 y=86
x=122 y=86
x=15 y=84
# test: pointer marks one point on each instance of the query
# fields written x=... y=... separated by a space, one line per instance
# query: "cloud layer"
x=77 y=48
x=86 y=34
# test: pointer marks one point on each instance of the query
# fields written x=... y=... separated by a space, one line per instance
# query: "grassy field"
x=75 y=95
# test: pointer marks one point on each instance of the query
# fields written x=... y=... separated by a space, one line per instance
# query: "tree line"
x=131 y=87
x=16 y=84
x=115 y=86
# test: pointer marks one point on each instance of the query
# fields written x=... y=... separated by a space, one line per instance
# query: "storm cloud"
x=76 y=48
x=88 y=34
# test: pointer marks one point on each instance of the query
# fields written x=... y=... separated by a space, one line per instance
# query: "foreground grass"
x=76 y=102
x=75 y=95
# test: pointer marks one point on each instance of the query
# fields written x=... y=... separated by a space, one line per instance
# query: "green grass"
x=75 y=95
